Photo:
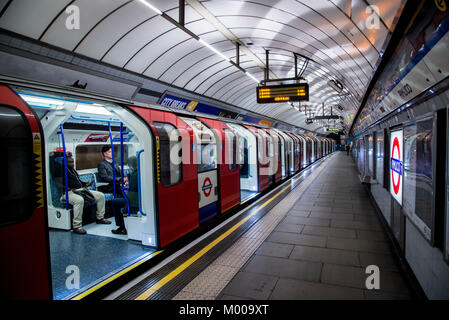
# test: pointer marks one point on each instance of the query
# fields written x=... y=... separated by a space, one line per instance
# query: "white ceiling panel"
x=3 y=4
x=334 y=34
x=170 y=57
x=31 y=18
x=112 y=28
x=60 y=36
x=205 y=74
x=136 y=39
x=153 y=49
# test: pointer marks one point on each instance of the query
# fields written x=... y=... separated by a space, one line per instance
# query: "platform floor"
x=314 y=244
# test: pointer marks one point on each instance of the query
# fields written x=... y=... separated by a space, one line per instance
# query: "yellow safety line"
x=149 y=292
x=101 y=284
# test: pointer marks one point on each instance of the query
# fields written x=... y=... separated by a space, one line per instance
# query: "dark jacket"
x=73 y=178
x=132 y=181
x=105 y=174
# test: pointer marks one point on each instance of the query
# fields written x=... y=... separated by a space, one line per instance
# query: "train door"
x=282 y=151
x=303 y=151
x=24 y=249
x=229 y=165
x=205 y=148
x=274 y=154
x=249 y=179
x=263 y=166
x=176 y=175
x=76 y=129
x=295 y=152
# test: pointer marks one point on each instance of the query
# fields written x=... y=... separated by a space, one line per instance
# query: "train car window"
x=370 y=156
x=170 y=160
x=231 y=150
x=380 y=157
x=16 y=167
x=418 y=179
x=361 y=156
x=89 y=156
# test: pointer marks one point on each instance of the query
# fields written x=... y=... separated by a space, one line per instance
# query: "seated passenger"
x=75 y=184
x=106 y=174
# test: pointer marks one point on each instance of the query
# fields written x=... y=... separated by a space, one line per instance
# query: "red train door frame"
x=276 y=155
x=262 y=164
x=229 y=180
x=297 y=144
x=25 y=268
x=174 y=218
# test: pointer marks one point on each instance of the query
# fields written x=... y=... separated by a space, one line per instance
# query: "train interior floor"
x=97 y=254
x=315 y=244
x=247 y=195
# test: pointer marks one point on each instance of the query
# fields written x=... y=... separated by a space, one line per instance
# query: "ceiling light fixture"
x=159 y=12
x=213 y=49
x=252 y=77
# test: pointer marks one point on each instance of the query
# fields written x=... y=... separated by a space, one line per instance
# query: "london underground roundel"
x=396 y=165
x=207 y=187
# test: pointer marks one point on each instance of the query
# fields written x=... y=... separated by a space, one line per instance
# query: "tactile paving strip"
x=187 y=276
x=216 y=276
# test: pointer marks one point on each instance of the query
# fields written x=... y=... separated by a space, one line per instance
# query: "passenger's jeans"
x=78 y=204
x=116 y=205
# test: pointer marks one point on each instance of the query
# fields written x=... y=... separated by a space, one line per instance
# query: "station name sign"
x=283 y=93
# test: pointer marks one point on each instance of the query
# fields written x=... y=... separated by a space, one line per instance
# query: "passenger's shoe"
x=79 y=231
x=119 y=231
x=103 y=221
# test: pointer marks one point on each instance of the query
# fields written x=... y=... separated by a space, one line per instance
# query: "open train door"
x=24 y=246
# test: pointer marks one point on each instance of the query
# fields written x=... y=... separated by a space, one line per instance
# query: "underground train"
x=191 y=168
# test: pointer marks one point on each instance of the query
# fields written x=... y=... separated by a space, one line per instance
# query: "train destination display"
x=283 y=93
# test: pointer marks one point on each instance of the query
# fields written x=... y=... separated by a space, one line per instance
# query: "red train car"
x=174 y=171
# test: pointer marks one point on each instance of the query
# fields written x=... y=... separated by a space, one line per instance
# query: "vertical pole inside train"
x=113 y=157
x=123 y=187
x=66 y=183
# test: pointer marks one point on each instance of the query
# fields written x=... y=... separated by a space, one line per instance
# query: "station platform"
x=314 y=243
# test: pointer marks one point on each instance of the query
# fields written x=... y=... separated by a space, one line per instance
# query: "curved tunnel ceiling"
x=334 y=35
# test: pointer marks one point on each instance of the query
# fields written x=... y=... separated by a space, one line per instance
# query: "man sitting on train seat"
x=75 y=184
x=106 y=174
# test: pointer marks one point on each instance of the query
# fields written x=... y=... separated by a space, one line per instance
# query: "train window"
x=16 y=163
x=231 y=155
x=206 y=145
x=170 y=160
x=361 y=156
x=371 y=156
x=418 y=179
x=89 y=156
x=379 y=157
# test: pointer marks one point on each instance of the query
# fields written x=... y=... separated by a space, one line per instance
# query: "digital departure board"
x=283 y=93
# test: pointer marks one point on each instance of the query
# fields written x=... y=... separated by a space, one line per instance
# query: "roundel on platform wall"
x=396 y=165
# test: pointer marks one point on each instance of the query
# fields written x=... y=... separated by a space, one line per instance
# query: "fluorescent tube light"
x=214 y=50
x=42 y=101
x=159 y=12
x=91 y=109
x=251 y=76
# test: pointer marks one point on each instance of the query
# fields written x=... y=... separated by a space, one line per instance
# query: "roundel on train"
x=207 y=187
